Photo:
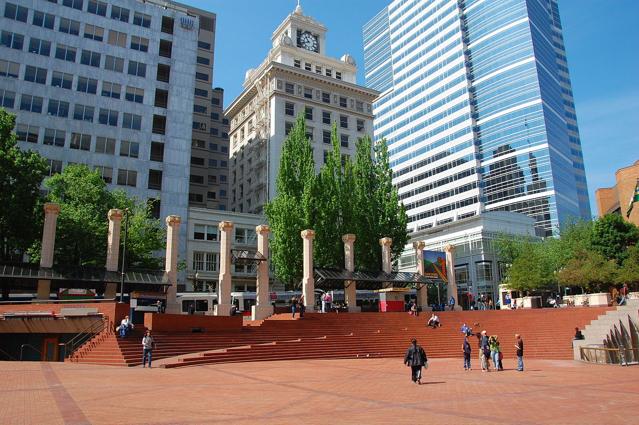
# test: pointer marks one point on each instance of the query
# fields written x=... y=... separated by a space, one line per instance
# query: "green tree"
x=366 y=223
x=589 y=270
x=21 y=173
x=532 y=269
x=629 y=271
x=291 y=210
x=82 y=225
x=612 y=236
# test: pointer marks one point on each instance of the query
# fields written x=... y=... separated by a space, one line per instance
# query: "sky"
x=601 y=39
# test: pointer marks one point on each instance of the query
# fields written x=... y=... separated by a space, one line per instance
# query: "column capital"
x=262 y=229
x=308 y=234
x=51 y=208
x=386 y=241
x=115 y=214
x=173 y=220
x=419 y=245
x=349 y=237
x=450 y=248
x=223 y=225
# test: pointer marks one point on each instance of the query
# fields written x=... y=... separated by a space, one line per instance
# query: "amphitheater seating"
x=547 y=334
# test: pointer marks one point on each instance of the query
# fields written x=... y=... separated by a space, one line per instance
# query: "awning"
x=328 y=279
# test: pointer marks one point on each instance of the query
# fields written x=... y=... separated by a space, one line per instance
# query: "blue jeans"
x=520 y=362
x=147 y=353
x=293 y=310
x=495 y=357
x=124 y=330
x=466 y=360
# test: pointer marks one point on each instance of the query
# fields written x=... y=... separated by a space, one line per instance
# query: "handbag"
x=501 y=355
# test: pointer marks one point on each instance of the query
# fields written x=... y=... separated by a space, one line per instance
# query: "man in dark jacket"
x=415 y=358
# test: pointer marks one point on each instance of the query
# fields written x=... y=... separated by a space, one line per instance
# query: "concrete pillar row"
x=223 y=307
x=350 y=288
x=263 y=307
x=113 y=250
x=51 y=212
x=170 y=266
x=422 y=293
x=387 y=266
x=450 y=273
x=308 y=282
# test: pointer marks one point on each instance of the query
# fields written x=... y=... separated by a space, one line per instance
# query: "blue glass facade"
x=477 y=110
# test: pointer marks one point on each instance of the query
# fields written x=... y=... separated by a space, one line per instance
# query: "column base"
x=110 y=291
x=44 y=290
x=222 y=309
x=261 y=312
x=427 y=308
x=354 y=309
x=173 y=308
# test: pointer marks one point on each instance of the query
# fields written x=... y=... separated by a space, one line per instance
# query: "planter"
x=601 y=299
x=531 y=302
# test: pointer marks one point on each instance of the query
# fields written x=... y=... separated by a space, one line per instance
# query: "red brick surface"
x=319 y=392
x=185 y=323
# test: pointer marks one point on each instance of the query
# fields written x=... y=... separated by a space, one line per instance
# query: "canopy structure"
x=328 y=279
x=246 y=257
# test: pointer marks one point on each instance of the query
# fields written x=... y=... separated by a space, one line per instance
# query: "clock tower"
x=302 y=32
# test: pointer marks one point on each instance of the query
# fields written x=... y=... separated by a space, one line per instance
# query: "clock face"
x=308 y=41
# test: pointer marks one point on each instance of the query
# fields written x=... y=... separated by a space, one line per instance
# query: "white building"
x=295 y=77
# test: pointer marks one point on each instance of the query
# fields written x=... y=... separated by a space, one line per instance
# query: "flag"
x=633 y=199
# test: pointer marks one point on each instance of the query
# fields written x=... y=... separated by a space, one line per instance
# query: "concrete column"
x=170 y=265
x=223 y=307
x=450 y=272
x=51 y=212
x=387 y=267
x=350 y=288
x=422 y=292
x=308 y=282
x=113 y=250
x=263 y=307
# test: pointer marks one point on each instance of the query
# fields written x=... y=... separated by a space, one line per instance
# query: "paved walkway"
x=318 y=392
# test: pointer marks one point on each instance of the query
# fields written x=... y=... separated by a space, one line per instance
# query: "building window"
x=359 y=106
x=288 y=126
x=55 y=167
x=205 y=261
x=76 y=4
x=162 y=99
x=326 y=137
x=106 y=173
x=65 y=53
x=119 y=13
x=40 y=47
x=212 y=179
x=87 y=85
x=167 y=24
x=308 y=113
x=155 y=180
x=201 y=76
x=326 y=97
x=97 y=7
x=105 y=145
x=318 y=69
x=309 y=134
x=307 y=66
x=343 y=102
x=157 y=151
x=343 y=121
x=12 y=40
x=241 y=235
x=297 y=63
x=203 y=232
x=130 y=149
x=329 y=72
x=203 y=61
x=159 y=124
x=142 y=20
x=338 y=75
x=108 y=117
x=83 y=113
x=308 y=93
x=54 y=137
x=289 y=109
x=90 y=58
x=93 y=32
x=197 y=161
x=18 y=13
x=45 y=20
x=80 y=141
x=212 y=163
x=140 y=44
x=201 y=92
x=33 y=103
x=58 y=108
x=35 y=75
x=164 y=73
x=327 y=155
x=194 y=178
x=289 y=88
x=343 y=138
x=7 y=98
x=484 y=271
x=127 y=178
x=360 y=125
x=69 y=26
x=27 y=133
x=166 y=48
x=62 y=80
x=117 y=38
x=9 y=69
x=132 y=121
x=111 y=89
x=112 y=63
x=137 y=68
x=211 y=195
x=134 y=94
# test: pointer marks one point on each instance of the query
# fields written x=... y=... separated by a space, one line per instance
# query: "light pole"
x=126 y=235
x=196 y=277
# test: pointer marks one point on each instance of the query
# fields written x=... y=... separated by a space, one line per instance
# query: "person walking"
x=415 y=358
x=148 y=344
x=301 y=306
x=466 y=350
x=519 y=346
x=329 y=301
x=293 y=306
x=484 y=352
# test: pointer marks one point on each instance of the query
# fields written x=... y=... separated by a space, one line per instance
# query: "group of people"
x=148 y=343
x=490 y=350
x=297 y=304
x=327 y=302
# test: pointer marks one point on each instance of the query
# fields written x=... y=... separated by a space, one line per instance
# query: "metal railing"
x=603 y=355
x=29 y=346
x=9 y=356
x=86 y=335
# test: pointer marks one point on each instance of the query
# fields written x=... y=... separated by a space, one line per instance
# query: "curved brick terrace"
x=318 y=392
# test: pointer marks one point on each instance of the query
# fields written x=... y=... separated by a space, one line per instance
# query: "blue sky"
x=601 y=39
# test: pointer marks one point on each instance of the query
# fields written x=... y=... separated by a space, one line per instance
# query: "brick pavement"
x=318 y=392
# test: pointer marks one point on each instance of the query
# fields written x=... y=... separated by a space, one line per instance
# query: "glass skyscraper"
x=477 y=110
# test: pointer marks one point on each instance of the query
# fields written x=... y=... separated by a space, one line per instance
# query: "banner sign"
x=435 y=265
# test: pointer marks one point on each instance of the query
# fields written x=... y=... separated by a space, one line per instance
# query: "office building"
x=617 y=199
x=477 y=110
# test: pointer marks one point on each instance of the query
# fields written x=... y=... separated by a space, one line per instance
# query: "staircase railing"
x=86 y=335
x=602 y=355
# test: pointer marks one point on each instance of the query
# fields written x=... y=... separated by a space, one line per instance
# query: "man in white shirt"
x=434 y=321
x=125 y=327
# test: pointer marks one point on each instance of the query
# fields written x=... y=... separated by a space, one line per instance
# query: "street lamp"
x=196 y=277
x=126 y=236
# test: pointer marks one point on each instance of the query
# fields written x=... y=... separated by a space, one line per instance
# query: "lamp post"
x=196 y=277
x=126 y=235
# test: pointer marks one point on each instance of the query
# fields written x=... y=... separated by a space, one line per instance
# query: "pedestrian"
x=490 y=303
x=519 y=346
x=451 y=303
x=302 y=307
x=507 y=301
x=323 y=298
x=329 y=301
x=467 y=351
x=158 y=304
x=484 y=352
x=434 y=321
x=148 y=344
x=416 y=358
x=494 y=351
x=623 y=293
x=578 y=334
x=293 y=306
x=125 y=327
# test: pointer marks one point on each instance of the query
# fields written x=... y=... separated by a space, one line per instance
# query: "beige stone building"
x=296 y=77
x=616 y=199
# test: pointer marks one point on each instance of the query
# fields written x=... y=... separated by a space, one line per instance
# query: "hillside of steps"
x=547 y=334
